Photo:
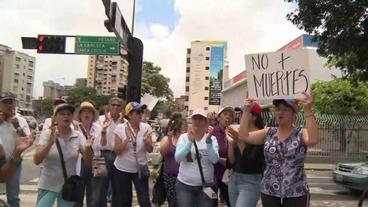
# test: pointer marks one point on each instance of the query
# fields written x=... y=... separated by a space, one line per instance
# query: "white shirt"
x=51 y=176
x=110 y=135
x=189 y=171
x=9 y=135
x=126 y=161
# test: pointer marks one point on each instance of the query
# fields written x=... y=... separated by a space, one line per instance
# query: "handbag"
x=70 y=190
x=208 y=188
x=159 y=190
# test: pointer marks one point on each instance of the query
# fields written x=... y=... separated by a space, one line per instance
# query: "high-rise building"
x=52 y=90
x=80 y=82
x=107 y=73
x=17 y=71
x=205 y=65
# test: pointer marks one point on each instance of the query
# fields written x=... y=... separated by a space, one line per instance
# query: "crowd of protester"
x=206 y=160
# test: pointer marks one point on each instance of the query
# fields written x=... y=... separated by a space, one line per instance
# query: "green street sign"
x=95 y=45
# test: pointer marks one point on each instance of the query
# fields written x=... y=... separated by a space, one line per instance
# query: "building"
x=80 y=82
x=235 y=90
x=52 y=90
x=180 y=103
x=17 y=72
x=106 y=74
x=205 y=65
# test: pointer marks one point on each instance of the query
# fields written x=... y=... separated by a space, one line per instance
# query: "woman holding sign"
x=284 y=182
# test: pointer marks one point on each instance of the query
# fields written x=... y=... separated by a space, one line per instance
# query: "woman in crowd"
x=284 y=182
x=190 y=189
x=247 y=162
x=132 y=141
x=72 y=143
x=86 y=115
x=177 y=126
x=224 y=119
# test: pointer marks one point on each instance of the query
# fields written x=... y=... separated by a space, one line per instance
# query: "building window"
x=207 y=48
x=207 y=78
x=30 y=63
x=207 y=58
x=188 y=60
x=188 y=50
x=186 y=88
x=188 y=69
x=186 y=98
x=206 y=98
x=207 y=67
x=187 y=79
x=205 y=108
x=15 y=80
x=17 y=59
x=17 y=66
x=206 y=88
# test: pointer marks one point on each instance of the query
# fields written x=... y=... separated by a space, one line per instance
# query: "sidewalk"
x=319 y=166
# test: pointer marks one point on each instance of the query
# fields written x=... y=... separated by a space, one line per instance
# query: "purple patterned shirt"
x=284 y=176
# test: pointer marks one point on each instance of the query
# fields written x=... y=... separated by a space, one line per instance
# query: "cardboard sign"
x=278 y=75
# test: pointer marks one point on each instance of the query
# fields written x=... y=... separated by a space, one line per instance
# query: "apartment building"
x=205 y=65
x=107 y=73
x=17 y=72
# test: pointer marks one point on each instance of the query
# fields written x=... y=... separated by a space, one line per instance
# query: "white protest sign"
x=278 y=75
x=149 y=100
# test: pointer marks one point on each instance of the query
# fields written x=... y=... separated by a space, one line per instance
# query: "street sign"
x=97 y=45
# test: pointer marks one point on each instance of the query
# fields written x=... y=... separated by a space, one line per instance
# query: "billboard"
x=216 y=73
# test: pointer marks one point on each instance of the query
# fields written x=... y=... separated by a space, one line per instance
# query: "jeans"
x=101 y=184
x=192 y=196
x=86 y=185
x=272 y=201
x=122 y=189
x=47 y=198
x=244 y=189
x=13 y=185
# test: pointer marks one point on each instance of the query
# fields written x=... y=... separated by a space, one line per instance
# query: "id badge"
x=210 y=193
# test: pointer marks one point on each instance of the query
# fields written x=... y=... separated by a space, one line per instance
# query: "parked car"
x=352 y=175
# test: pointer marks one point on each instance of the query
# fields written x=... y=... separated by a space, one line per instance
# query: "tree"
x=78 y=95
x=155 y=83
x=167 y=107
x=341 y=97
x=340 y=27
x=43 y=108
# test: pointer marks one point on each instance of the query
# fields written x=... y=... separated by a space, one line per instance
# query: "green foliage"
x=43 y=108
x=168 y=107
x=155 y=83
x=341 y=97
x=341 y=29
x=78 y=95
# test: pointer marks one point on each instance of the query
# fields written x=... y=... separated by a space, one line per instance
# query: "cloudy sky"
x=166 y=28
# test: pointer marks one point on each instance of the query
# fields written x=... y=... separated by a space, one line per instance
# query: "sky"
x=166 y=28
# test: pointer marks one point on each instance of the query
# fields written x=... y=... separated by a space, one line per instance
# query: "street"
x=324 y=192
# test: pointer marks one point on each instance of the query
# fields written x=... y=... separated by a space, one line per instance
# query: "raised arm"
x=164 y=145
x=44 y=146
x=254 y=137
x=311 y=131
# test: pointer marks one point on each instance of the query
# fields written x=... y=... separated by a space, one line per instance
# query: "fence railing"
x=342 y=138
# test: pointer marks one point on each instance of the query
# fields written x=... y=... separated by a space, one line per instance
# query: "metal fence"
x=342 y=138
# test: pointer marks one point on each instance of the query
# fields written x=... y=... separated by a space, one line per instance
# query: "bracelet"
x=309 y=115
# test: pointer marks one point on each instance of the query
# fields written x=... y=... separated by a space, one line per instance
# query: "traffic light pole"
x=135 y=59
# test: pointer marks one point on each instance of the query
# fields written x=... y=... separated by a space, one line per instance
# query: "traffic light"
x=51 y=44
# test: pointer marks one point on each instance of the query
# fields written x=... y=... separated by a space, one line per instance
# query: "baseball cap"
x=292 y=103
x=255 y=108
x=64 y=106
x=134 y=106
x=199 y=112
x=7 y=95
x=227 y=108
x=59 y=101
